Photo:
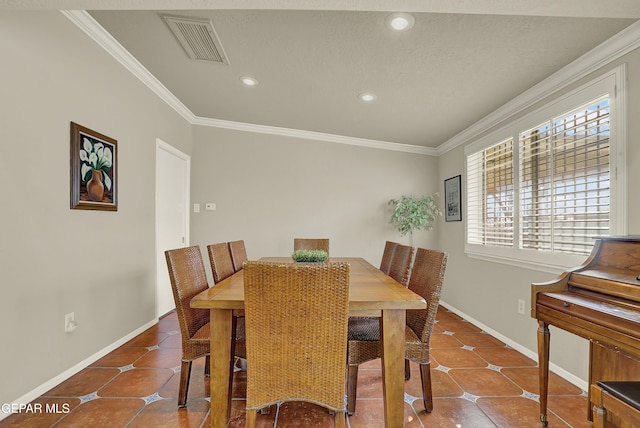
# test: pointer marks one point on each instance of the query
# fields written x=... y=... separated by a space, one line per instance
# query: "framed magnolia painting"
x=94 y=167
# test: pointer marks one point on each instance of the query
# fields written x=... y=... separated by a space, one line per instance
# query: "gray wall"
x=54 y=260
x=272 y=189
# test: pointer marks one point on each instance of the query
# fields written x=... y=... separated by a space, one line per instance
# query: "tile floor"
x=478 y=382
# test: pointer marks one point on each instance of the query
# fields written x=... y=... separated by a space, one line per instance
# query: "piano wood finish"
x=599 y=301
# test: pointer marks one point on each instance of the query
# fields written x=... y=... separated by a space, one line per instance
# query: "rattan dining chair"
x=221 y=262
x=400 y=266
x=311 y=244
x=296 y=330
x=238 y=254
x=188 y=278
x=364 y=344
x=387 y=254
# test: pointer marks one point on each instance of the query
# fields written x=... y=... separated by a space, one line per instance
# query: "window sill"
x=555 y=263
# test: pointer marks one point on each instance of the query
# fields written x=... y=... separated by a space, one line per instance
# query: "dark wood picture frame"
x=453 y=198
x=94 y=168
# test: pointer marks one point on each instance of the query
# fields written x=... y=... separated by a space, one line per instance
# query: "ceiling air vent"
x=198 y=38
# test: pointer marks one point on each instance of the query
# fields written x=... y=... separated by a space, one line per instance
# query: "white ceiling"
x=460 y=62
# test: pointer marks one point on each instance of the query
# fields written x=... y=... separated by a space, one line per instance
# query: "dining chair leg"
x=427 y=396
x=352 y=387
x=207 y=366
x=250 y=419
x=185 y=373
x=407 y=370
x=339 y=420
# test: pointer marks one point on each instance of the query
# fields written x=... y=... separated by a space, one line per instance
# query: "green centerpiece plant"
x=310 y=256
x=411 y=214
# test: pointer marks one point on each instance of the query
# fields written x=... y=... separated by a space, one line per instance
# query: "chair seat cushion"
x=364 y=329
x=627 y=391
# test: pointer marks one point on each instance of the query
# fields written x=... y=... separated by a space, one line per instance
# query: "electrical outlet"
x=70 y=323
x=521 y=306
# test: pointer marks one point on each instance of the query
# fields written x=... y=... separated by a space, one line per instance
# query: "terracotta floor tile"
x=369 y=383
x=444 y=341
x=120 y=357
x=573 y=409
x=44 y=412
x=411 y=416
x=442 y=385
x=458 y=326
x=455 y=358
x=148 y=338
x=373 y=364
x=173 y=341
x=84 y=382
x=161 y=359
x=198 y=385
x=237 y=418
x=504 y=357
x=479 y=339
x=165 y=414
x=369 y=414
x=103 y=412
x=298 y=414
x=437 y=329
x=446 y=315
x=527 y=378
x=518 y=412
x=168 y=323
x=484 y=382
x=136 y=383
x=453 y=412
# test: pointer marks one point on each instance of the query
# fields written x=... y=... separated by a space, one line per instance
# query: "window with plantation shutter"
x=491 y=190
x=541 y=189
x=564 y=181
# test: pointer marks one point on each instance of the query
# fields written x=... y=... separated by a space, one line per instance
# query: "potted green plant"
x=310 y=256
x=411 y=214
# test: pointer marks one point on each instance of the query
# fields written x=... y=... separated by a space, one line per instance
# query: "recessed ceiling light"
x=400 y=21
x=367 y=97
x=248 y=81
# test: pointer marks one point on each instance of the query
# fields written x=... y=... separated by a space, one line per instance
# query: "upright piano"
x=599 y=301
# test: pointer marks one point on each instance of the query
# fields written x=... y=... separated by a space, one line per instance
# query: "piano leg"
x=543 y=368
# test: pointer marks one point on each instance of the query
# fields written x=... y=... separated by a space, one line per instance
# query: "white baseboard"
x=580 y=383
x=37 y=392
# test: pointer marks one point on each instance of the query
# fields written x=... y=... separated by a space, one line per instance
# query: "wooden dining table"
x=371 y=293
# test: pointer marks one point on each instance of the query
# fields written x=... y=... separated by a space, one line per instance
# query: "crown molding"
x=603 y=54
x=93 y=29
x=311 y=135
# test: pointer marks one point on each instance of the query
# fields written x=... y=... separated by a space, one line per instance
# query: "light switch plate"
x=210 y=206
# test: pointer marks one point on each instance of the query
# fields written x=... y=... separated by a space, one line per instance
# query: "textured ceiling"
x=432 y=82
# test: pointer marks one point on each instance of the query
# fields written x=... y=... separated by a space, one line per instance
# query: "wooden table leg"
x=222 y=353
x=393 y=325
x=543 y=368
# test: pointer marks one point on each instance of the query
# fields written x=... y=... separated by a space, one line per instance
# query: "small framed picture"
x=94 y=178
x=453 y=198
